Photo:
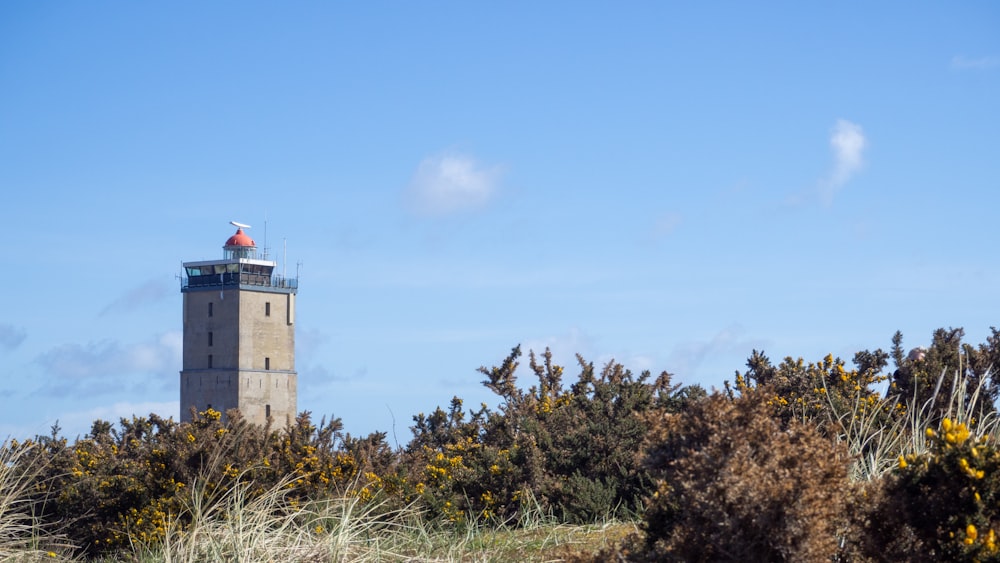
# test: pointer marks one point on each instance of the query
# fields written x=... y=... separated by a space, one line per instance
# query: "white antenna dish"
x=239 y=225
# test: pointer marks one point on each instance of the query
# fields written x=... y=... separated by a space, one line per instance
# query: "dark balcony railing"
x=239 y=278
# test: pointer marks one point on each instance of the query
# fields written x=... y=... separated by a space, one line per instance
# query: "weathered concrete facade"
x=239 y=337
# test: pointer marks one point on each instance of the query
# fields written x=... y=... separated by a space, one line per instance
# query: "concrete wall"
x=250 y=337
x=224 y=324
x=262 y=389
x=266 y=337
x=215 y=388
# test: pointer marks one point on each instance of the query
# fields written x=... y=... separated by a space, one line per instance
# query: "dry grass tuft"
x=22 y=536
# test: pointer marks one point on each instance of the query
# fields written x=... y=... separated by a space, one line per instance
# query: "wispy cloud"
x=110 y=361
x=11 y=337
x=150 y=292
x=564 y=348
x=686 y=357
x=78 y=423
x=665 y=225
x=961 y=62
x=848 y=143
x=451 y=183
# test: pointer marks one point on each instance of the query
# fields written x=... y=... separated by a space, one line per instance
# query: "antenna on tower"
x=284 y=258
x=265 y=235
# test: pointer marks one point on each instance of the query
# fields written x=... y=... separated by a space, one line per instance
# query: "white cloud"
x=451 y=183
x=848 y=143
x=79 y=422
x=961 y=62
x=110 y=359
x=11 y=336
x=150 y=292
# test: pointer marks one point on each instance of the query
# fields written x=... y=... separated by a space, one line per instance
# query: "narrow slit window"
x=267 y=411
x=210 y=308
x=209 y=360
x=267 y=363
x=210 y=338
x=267 y=309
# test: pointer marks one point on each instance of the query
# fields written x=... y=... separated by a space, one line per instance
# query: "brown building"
x=239 y=335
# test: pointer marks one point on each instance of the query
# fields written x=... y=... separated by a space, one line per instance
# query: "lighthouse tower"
x=239 y=335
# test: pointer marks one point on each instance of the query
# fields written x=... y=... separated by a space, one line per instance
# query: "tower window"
x=209 y=338
x=210 y=308
x=209 y=360
x=267 y=309
x=267 y=411
x=267 y=363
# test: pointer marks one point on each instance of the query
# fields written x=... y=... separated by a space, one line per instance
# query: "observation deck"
x=239 y=268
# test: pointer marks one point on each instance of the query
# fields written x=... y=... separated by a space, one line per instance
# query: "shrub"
x=573 y=450
x=926 y=378
x=120 y=487
x=737 y=483
x=815 y=391
x=943 y=504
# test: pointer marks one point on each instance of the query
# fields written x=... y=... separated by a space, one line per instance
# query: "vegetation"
x=794 y=461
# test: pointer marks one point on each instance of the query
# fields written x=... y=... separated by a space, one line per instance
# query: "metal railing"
x=236 y=278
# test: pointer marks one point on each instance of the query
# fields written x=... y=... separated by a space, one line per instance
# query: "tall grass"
x=233 y=525
x=236 y=526
x=22 y=536
x=877 y=434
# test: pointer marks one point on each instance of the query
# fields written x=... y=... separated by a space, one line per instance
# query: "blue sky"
x=667 y=184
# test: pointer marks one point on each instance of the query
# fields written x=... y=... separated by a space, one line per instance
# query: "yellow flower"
x=51 y=554
x=970 y=534
x=946 y=425
x=902 y=462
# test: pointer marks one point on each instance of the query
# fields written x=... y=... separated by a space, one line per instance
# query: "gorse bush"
x=119 y=487
x=924 y=377
x=795 y=461
x=736 y=483
x=815 y=392
x=574 y=449
x=943 y=504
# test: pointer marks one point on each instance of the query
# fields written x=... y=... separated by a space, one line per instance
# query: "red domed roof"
x=240 y=239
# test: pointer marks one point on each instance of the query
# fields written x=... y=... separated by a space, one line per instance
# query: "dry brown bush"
x=738 y=484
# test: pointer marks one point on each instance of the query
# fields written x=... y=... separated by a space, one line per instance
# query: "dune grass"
x=22 y=535
x=273 y=527
x=876 y=441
